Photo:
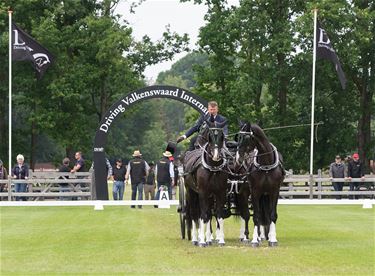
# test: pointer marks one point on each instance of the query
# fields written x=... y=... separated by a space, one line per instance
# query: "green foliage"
x=259 y=69
x=96 y=61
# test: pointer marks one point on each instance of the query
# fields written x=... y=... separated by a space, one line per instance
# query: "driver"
x=212 y=115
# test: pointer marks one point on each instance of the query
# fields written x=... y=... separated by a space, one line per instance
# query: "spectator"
x=337 y=170
x=20 y=171
x=64 y=187
x=78 y=167
x=80 y=163
x=164 y=174
x=355 y=170
x=346 y=162
x=137 y=170
x=3 y=175
x=119 y=172
x=150 y=183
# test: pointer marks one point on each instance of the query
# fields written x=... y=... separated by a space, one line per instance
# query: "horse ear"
x=240 y=122
x=260 y=123
x=210 y=124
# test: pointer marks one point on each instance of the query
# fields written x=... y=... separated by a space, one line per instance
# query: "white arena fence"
x=99 y=204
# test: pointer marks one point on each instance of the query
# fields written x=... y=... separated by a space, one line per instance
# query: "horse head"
x=215 y=140
x=246 y=142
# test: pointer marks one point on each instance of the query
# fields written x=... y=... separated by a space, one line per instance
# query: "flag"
x=24 y=47
x=325 y=50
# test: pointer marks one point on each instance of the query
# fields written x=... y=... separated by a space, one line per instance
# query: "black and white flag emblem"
x=325 y=50
x=24 y=47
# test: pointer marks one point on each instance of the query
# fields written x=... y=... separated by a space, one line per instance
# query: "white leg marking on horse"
x=272 y=233
x=221 y=231
x=242 y=230
x=201 y=232
x=255 y=235
x=262 y=232
x=208 y=232
x=217 y=234
x=194 y=232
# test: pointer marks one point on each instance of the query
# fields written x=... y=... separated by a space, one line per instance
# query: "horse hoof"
x=209 y=243
x=195 y=243
x=221 y=244
x=255 y=244
x=202 y=244
x=272 y=244
x=241 y=239
x=245 y=242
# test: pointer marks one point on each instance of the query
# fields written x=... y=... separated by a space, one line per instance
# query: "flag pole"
x=10 y=94
x=313 y=96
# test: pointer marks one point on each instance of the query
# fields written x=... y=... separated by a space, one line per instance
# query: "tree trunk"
x=364 y=124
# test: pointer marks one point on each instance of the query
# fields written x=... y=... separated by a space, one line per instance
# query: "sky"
x=152 y=16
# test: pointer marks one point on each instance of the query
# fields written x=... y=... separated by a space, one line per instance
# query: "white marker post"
x=164 y=199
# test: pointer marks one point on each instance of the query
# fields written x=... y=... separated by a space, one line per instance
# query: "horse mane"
x=255 y=128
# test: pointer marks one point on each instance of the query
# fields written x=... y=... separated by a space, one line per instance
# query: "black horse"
x=206 y=183
x=238 y=187
x=265 y=177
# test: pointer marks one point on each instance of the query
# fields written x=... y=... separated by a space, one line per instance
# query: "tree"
x=97 y=60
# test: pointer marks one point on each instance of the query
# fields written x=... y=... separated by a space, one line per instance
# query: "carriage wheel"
x=182 y=207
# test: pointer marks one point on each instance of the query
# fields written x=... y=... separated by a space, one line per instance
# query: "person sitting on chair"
x=212 y=115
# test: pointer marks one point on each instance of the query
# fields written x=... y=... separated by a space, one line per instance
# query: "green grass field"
x=320 y=240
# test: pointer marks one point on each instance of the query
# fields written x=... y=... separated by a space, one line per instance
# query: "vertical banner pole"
x=313 y=96
x=10 y=96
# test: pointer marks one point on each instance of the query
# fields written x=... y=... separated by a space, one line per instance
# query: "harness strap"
x=267 y=167
x=209 y=167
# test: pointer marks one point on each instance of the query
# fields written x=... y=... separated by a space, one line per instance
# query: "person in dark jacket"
x=150 y=183
x=355 y=170
x=119 y=173
x=64 y=187
x=137 y=170
x=337 y=170
x=212 y=115
x=164 y=174
x=20 y=171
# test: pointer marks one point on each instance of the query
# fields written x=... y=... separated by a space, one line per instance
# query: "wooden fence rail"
x=47 y=185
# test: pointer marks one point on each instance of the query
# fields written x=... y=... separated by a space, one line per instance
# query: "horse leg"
x=272 y=241
x=243 y=207
x=209 y=232
x=204 y=218
x=262 y=230
x=194 y=239
x=244 y=231
x=220 y=200
x=256 y=210
x=201 y=236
